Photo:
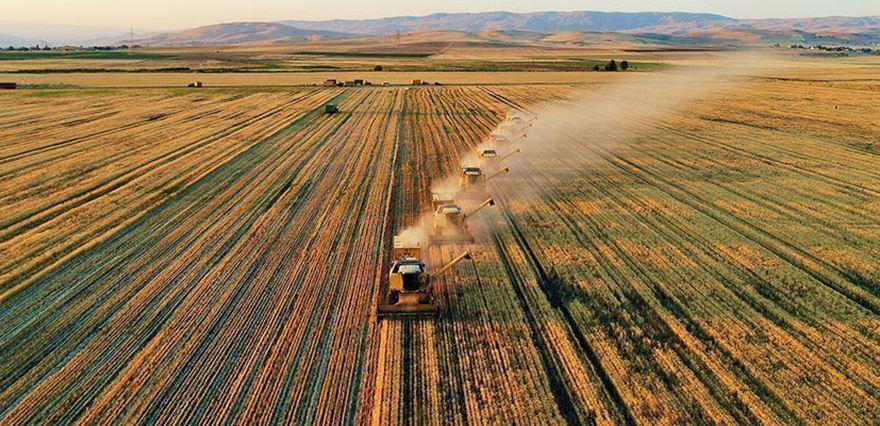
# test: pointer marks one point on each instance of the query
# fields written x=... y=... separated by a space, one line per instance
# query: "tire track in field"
x=826 y=274
x=772 y=204
x=764 y=298
x=239 y=165
x=89 y=194
x=550 y=288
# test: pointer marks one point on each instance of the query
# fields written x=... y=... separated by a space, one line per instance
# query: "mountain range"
x=546 y=22
x=671 y=23
x=675 y=27
x=239 y=33
x=30 y=33
x=8 y=40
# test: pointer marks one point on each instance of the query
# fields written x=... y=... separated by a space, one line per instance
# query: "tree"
x=596 y=68
x=611 y=66
x=624 y=66
x=378 y=68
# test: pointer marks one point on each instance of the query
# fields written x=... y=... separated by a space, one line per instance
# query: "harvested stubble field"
x=213 y=258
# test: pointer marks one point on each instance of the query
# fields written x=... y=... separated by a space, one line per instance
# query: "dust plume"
x=568 y=135
x=416 y=235
x=554 y=142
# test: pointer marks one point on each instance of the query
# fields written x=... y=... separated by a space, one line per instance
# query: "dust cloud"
x=555 y=141
x=568 y=134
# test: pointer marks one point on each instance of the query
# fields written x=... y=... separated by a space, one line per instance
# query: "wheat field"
x=214 y=257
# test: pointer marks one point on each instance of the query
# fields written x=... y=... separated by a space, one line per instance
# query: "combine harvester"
x=498 y=138
x=407 y=292
x=502 y=139
x=490 y=156
x=472 y=179
x=517 y=122
x=487 y=154
x=450 y=224
x=513 y=128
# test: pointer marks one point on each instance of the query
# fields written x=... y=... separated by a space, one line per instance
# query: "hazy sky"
x=172 y=14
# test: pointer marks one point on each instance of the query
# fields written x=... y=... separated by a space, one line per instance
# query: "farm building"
x=417 y=82
x=330 y=82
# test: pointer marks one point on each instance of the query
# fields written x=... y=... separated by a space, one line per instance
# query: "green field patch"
x=57 y=92
x=99 y=55
x=364 y=54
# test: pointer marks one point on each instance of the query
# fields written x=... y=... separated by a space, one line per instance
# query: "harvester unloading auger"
x=501 y=139
x=450 y=224
x=521 y=124
x=408 y=289
x=515 y=124
x=510 y=154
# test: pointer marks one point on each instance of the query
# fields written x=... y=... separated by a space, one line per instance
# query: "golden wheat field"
x=214 y=257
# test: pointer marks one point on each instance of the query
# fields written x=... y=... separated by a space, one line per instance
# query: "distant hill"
x=688 y=26
x=10 y=40
x=833 y=24
x=239 y=33
x=493 y=21
x=60 y=35
x=579 y=28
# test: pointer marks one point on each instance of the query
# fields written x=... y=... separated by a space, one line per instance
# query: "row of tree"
x=612 y=66
x=47 y=48
x=26 y=49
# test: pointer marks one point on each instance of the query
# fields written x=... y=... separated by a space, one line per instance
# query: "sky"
x=177 y=14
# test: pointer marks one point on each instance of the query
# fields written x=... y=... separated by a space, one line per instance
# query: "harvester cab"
x=408 y=289
x=489 y=154
x=451 y=226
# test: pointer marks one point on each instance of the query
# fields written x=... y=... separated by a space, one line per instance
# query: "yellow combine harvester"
x=408 y=289
x=450 y=224
x=473 y=178
x=490 y=156
x=498 y=138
